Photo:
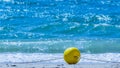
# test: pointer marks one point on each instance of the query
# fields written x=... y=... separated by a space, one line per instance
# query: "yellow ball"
x=72 y=55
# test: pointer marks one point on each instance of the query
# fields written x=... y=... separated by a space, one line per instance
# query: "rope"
x=33 y=61
x=101 y=60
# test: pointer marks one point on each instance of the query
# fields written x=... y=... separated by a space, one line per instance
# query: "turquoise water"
x=58 y=46
x=51 y=26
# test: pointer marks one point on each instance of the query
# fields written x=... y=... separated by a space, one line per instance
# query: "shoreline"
x=38 y=60
x=55 y=58
x=61 y=65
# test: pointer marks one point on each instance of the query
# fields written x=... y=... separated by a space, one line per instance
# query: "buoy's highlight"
x=72 y=55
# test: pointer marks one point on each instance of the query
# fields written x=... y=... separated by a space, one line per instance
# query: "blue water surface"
x=39 y=19
x=64 y=20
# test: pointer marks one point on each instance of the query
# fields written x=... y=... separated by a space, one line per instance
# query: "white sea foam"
x=53 y=58
x=103 y=17
x=102 y=24
x=76 y=24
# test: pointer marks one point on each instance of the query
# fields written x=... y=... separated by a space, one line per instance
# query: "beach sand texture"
x=57 y=65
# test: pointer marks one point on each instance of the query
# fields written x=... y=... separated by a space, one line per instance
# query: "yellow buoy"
x=72 y=55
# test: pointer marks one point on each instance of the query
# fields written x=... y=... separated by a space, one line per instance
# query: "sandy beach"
x=60 y=65
x=20 y=60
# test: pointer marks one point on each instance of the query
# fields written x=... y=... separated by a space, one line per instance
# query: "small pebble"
x=13 y=65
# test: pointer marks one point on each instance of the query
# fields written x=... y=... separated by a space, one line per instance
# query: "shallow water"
x=59 y=45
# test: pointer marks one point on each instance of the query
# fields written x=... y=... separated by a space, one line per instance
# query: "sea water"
x=33 y=30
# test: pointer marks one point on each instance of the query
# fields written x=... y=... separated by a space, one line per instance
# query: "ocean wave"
x=58 y=46
x=58 y=18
